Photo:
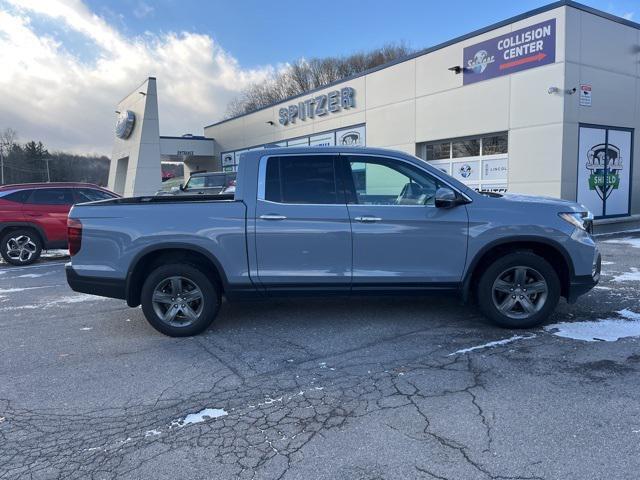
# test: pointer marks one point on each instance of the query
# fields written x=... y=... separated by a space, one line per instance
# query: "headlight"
x=581 y=220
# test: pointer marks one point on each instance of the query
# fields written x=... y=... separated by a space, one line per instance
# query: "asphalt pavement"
x=330 y=388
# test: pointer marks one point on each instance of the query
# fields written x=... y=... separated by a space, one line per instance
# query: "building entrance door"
x=605 y=158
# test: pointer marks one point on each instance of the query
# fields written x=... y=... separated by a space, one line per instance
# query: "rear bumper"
x=579 y=285
x=103 y=287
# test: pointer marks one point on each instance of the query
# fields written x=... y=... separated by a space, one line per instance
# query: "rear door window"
x=305 y=179
x=51 y=196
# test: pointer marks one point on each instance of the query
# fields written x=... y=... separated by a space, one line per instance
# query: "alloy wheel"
x=21 y=248
x=520 y=292
x=177 y=301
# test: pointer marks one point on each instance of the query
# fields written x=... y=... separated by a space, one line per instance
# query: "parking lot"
x=339 y=388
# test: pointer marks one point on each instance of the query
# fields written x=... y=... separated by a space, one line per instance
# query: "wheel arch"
x=148 y=258
x=6 y=227
x=548 y=249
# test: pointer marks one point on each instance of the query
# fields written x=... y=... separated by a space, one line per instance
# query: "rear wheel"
x=179 y=300
x=519 y=290
x=21 y=247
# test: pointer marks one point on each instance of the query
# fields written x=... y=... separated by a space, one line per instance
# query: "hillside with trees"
x=308 y=74
x=32 y=162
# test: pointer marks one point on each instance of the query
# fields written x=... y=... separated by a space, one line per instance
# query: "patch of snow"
x=606 y=330
x=634 y=242
x=62 y=300
x=496 y=343
x=33 y=275
x=14 y=290
x=55 y=253
x=632 y=276
x=152 y=433
x=604 y=262
x=600 y=287
x=199 y=417
x=86 y=329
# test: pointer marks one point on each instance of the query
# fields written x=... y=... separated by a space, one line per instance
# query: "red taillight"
x=74 y=233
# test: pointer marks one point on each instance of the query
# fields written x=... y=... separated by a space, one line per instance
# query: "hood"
x=566 y=205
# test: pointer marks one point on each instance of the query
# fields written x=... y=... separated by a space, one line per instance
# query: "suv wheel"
x=519 y=290
x=179 y=300
x=21 y=247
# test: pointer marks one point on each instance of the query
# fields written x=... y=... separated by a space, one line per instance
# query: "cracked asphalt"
x=330 y=388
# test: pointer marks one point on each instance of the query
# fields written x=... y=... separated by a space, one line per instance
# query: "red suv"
x=33 y=216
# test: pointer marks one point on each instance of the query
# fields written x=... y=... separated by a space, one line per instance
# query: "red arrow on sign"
x=521 y=61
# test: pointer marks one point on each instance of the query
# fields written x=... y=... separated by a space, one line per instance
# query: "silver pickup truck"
x=332 y=221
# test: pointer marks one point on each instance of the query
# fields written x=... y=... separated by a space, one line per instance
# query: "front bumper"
x=103 y=287
x=579 y=285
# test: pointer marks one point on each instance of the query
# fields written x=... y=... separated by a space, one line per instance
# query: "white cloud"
x=142 y=10
x=628 y=15
x=50 y=94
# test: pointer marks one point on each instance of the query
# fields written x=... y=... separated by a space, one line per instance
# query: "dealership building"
x=545 y=103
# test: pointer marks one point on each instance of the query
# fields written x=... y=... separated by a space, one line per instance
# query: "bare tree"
x=305 y=75
x=8 y=140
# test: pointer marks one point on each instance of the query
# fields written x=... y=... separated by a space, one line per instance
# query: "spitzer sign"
x=519 y=50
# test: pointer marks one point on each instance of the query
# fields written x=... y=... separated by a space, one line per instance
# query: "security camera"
x=570 y=91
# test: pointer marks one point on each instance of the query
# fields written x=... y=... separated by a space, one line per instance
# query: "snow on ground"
x=15 y=290
x=33 y=275
x=71 y=299
x=634 y=242
x=199 y=417
x=632 y=276
x=54 y=253
x=497 y=343
x=606 y=330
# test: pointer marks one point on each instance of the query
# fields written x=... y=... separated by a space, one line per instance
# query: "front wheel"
x=519 y=290
x=179 y=300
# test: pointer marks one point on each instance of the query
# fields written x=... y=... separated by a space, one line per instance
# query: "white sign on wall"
x=353 y=137
x=604 y=165
x=585 y=95
x=495 y=169
x=323 y=140
x=488 y=173
x=467 y=171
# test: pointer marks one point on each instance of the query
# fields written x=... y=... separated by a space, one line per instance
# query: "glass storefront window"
x=439 y=151
x=495 y=144
x=466 y=148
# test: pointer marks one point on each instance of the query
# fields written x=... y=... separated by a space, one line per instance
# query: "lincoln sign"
x=319 y=106
x=516 y=51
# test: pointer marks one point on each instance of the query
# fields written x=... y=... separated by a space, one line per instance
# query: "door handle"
x=273 y=217
x=368 y=219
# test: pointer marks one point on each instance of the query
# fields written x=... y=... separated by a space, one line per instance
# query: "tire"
x=197 y=300
x=508 y=301
x=21 y=246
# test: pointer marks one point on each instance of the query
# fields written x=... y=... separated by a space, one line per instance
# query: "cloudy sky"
x=65 y=64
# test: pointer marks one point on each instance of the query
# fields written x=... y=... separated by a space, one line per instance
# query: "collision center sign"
x=513 y=52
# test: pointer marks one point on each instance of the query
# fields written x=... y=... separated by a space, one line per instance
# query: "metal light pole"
x=48 y=173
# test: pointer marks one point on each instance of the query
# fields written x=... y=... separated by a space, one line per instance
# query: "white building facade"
x=546 y=103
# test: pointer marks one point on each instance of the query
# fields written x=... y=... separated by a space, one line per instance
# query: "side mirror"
x=446 y=198
x=181 y=187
